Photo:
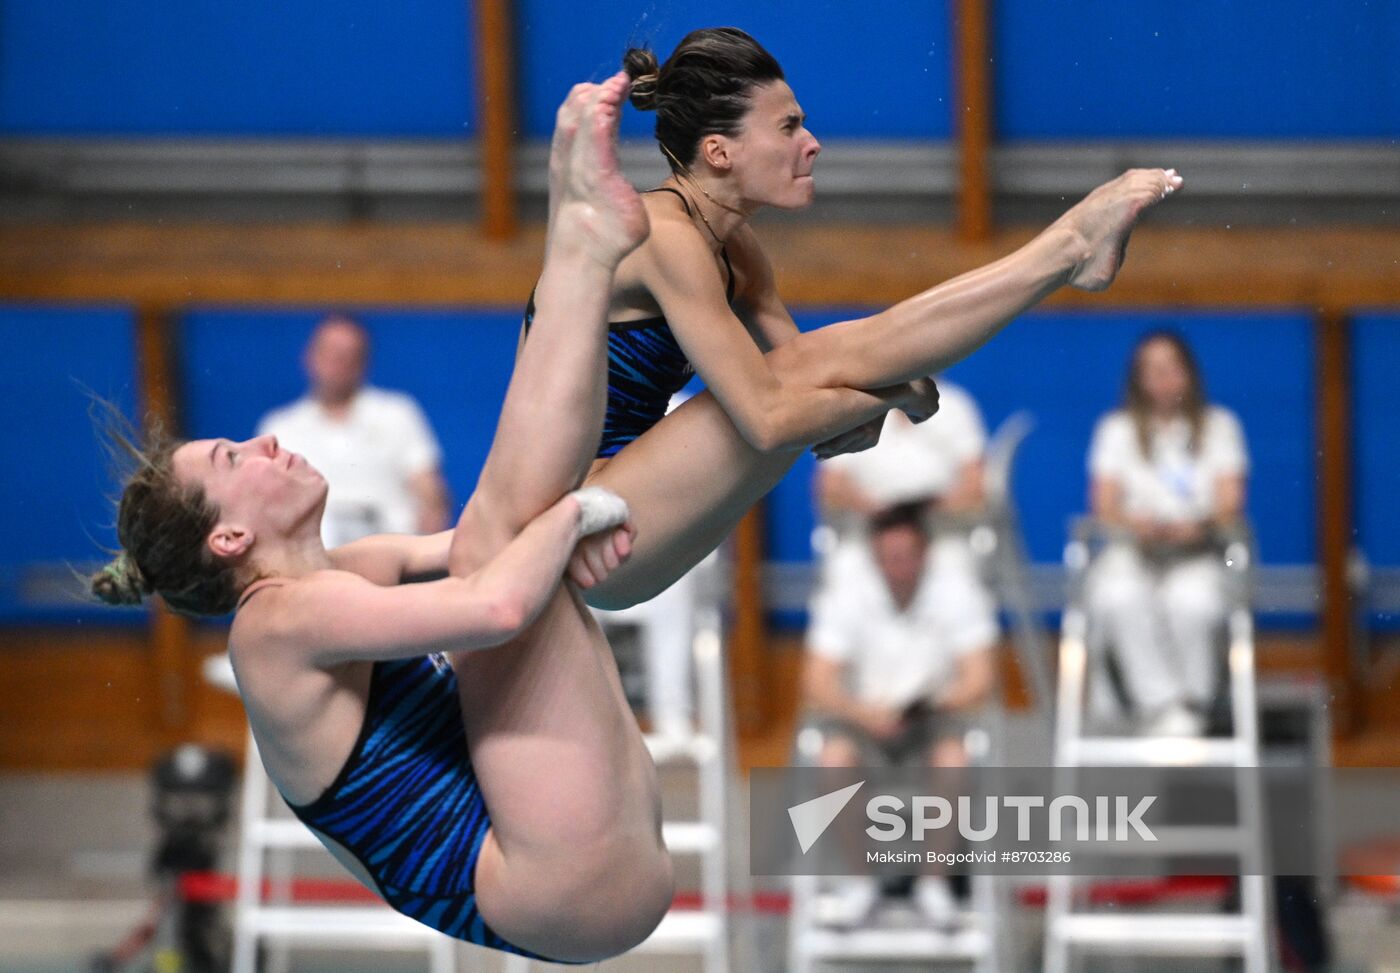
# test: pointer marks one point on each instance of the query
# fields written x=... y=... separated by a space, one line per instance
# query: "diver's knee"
x=651 y=886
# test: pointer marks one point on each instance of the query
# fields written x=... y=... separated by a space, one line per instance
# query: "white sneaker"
x=934 y=897
x=1176 y=721
x=850 y=903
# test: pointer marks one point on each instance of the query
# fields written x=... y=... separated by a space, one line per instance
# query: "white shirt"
x=892 y=657
x=916 y=462
x=368 y=458
x=1172 y=484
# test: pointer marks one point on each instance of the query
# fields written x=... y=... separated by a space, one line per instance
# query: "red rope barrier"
x=211 y=887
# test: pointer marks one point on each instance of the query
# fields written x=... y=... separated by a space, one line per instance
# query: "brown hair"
x=1140 y=407
x=704 y=87
x=162 y=525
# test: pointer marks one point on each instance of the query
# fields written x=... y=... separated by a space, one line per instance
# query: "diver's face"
x=257 y=487
x=773 y=154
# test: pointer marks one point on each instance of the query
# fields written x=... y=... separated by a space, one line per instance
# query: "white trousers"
x=1161 y=621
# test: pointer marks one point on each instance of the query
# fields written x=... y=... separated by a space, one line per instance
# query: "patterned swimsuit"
x=407 y=803
x=646 y=366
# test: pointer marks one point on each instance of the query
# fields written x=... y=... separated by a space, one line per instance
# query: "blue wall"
x=52 y=500
x=877 y=69
x=1200 y=69
x=212 y=67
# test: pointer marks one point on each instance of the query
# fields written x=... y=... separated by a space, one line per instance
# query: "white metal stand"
x=1245 y=933
x=973 y=938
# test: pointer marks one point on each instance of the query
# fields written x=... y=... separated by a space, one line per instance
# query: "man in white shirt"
x=892 y=670
x=375 y=447
x=936 y=464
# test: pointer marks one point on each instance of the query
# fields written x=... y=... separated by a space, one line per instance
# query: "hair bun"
x=120 y=582
x=641 y=66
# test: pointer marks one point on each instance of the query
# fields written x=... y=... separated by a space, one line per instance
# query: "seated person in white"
x=894 y=666
x=375 y=448
x=1166 y=471
x=938 y=464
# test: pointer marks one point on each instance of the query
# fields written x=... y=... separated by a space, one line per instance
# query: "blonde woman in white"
x=1167 y=471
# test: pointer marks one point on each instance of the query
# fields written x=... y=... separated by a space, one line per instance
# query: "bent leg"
x=552 y=417
x=688 y=480
x=574 y=867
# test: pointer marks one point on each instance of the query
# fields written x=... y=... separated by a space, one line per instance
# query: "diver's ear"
x=717 y=152
x=230 y=541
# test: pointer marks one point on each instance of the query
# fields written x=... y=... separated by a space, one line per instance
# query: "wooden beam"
x=973 y=125
x=748 y=643
x=172 y=666
x=427 y=264
x=495 y=84
x=1334 y=437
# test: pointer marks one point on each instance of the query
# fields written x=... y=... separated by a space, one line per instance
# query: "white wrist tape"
x=599 y=509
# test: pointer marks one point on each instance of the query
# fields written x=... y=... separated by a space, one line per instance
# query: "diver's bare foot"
x=566 y=121
x=592 y=205
x=1105 y=218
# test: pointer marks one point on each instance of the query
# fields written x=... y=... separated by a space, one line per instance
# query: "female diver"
x=700 y=293
x=503 y=797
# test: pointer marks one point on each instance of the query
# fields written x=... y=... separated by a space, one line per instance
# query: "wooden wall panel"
x=80 y=699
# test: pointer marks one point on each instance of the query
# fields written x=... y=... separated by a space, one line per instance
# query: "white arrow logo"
x=811 y=818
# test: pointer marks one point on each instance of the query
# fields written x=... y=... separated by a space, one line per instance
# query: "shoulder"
x=285 y=415
x=675 y=254
x=381 y=398
x=283 y=613
x=1223 y=434
x=1219 y=418
x=1114 y=425
x=260 y=629
x=1114 y=440
x=390 y=402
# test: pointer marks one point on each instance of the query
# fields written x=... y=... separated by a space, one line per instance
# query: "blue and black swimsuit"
x=407 y=803
x=646 y=366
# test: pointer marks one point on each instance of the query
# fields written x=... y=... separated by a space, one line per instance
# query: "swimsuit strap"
x=723 y=250
x=674 y=192
x=259 y=585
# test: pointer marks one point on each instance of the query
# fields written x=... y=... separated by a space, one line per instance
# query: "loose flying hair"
x=162 y=526
x=704 y=88
x=1140 y=407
